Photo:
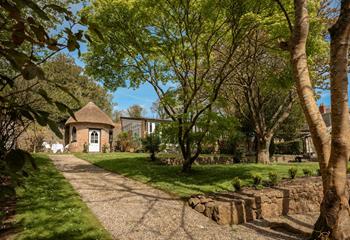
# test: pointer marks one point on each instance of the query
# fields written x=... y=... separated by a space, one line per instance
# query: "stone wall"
x=302 y=195
x=200 y=160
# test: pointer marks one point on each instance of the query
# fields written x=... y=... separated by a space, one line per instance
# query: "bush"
x=105 y=148
x=237 y=184
x=307 y=172
x=292 y=172
x=273 y=177
x=257 y=178
x=85 y=147
x=295 y=147
x=151 y=144
x=348 y=170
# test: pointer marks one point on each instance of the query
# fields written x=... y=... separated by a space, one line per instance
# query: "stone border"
x=302 y=195
x=174 y=161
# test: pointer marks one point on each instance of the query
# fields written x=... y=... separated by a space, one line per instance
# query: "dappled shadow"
x=202 y=179
x=270 y=229
x=150 y=211
x=134 y=210
x=48 y=208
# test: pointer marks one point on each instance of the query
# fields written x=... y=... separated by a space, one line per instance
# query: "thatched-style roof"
x=90 y=113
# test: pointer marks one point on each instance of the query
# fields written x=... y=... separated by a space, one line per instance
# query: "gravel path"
x=132 y=210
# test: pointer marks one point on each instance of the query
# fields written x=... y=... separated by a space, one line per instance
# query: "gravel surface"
x=132 y=210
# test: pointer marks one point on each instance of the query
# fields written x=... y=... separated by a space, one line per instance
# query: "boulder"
x=199 y=208
x=193 y=201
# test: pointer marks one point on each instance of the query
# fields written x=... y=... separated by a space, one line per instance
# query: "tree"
x=151 y=144
x=136 y=111
x=177 y=42
x=63 y=69
x=159 y=110
x=332 y=150
x=28 y=39
x=262 y=92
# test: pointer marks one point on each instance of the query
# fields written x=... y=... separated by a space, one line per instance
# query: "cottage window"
x=94 y=137
x=74 y=134
x=110 y=136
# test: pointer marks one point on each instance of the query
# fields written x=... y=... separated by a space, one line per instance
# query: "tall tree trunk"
x=335 y=206
x=263 y=154
x=335 y=213
x=319 y=134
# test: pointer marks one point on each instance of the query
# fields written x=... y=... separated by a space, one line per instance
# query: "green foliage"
x=292 y=172
x=12 y=172
x=105 y=148
x=124 y=141
x=57 y=199
x=174 y=47
x=257 y=178
x=292 y=147
x=82 y=89
x=86 y=147
x=237 y=184
x=136 y=111
x=151 y=143
x=273 y=177
x=307 y=172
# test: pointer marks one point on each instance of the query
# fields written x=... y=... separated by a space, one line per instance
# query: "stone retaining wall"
x=201 y=160
x=302 y=195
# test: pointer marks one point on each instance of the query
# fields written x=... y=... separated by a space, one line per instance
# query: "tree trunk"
x=317 y=126
x=153 y=156
x=187 y=165
x=335 y=206
x=263 y=154
x=334 y=219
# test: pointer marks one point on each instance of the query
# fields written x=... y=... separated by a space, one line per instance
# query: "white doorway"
x=94 y=140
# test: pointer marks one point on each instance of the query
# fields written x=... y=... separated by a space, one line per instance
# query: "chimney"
x=322 y=108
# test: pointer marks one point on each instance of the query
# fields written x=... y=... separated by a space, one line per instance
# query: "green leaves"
x=30 y=71
x=16 y=159
x=53 y=126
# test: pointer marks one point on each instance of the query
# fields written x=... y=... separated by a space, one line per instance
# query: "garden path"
x=132 y=210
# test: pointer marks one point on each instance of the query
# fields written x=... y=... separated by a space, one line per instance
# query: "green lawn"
x=49 y=208
x=203 y=179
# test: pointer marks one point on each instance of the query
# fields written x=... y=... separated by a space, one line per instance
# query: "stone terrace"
x=298 y=196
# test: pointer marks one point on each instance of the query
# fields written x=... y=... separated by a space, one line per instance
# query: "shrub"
x=307 y=172
x=124 y=141
x=151 y=144
x=105 y=148
x=257 y=178
x=348 y=170
x=294 y=147
x=237 y=184
x=292 y=172
x=273 y=178
x=85 y=147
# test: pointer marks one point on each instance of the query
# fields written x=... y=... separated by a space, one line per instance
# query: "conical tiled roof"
x=90 y=113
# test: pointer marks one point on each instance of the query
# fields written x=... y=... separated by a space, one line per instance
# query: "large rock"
x=199 y=207
x=193 y=201
x=209 y=209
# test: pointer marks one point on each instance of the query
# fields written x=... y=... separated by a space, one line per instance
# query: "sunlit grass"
x=49 y=208
x=203 y=179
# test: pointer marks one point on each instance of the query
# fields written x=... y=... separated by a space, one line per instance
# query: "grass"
x=203 y=179
x=49 y=208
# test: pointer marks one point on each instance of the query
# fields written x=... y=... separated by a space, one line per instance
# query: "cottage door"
x=94 y=140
